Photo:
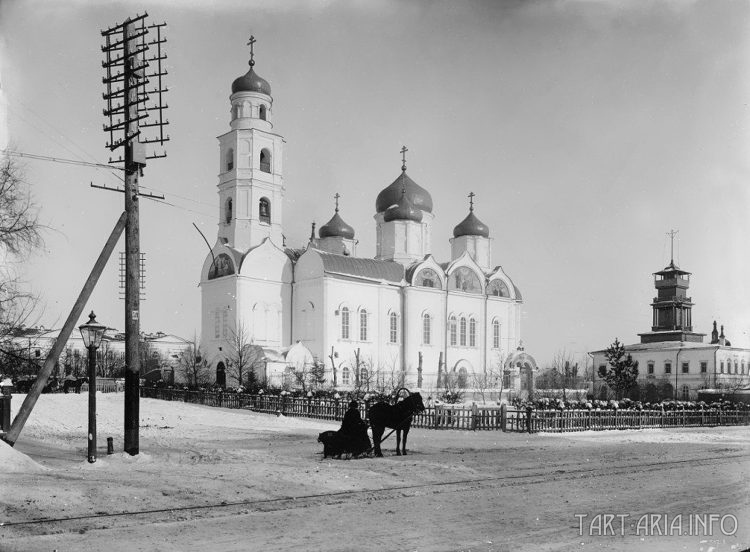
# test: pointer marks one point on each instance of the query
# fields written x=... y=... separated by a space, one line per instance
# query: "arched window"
x=393 y=334
x=265 y=160
x=452 y=330
x=498 y=288
x=262 y=113
x=721 y=370
x=736 y=371
x=463 y=377
x=465 y=279
x=495 y=334
x=462 y=332
x=345 y=375
x=264 y=210
x=743 y=366
x=345 y=323
x=426 y=329
x=472 y=332
x=228 y=211
x=427 y=278
x=363 y=325
x=685 y=392
x=230 y=159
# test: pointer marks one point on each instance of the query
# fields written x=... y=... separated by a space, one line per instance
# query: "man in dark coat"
x=353 y=430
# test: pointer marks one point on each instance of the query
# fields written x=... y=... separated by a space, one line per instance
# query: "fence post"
x=6 y=398
x=504 y=417
x=474 y=416
x=528 y=418
x=437 y=416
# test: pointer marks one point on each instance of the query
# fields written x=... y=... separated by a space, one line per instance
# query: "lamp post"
x=92 y=333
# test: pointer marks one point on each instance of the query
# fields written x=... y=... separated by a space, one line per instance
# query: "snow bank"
x=727 y=434
x=12 y=461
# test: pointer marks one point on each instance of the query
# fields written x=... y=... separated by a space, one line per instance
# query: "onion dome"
x=417 y=196
x=336 y=228
x=471 y=225
x=403 y=210
x=251 y=81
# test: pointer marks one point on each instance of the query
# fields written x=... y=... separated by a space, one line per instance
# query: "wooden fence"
x=467 y=417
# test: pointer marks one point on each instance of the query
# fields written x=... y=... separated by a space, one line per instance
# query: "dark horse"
x=396 y=416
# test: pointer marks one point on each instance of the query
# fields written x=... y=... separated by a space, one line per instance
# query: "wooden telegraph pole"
x=129 y=73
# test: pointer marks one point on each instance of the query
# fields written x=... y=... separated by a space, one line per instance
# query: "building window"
x=472 y=332
x=704 y=367
x=721 y=367
x=452 y=330
x=667 y=367
x=264 y=210
x=262 y=113
x=735 y=367
x=462 y=332
x=345 y=375
x=496 y=334
x=265 y=160
x=685 y=367
x=743 y=366
x=394 y=327
x=230 y=159
x=426 y=329
x=345 y=323
x=651 y=368
x=228 y=211
x=363 y=325
x=685 y=393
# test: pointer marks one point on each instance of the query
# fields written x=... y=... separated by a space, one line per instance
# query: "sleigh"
x=348 y=444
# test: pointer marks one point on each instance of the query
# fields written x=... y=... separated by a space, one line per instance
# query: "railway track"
x=242 y=507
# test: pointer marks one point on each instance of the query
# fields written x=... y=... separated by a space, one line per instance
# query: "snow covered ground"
x=218 y=479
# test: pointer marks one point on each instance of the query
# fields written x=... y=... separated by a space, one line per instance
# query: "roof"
x=336 y=227
x=663 y=346
x=373 y=269
x=471 y=226
x=418 y=196
x=251 y=82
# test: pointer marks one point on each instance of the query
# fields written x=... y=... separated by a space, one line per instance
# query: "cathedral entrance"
x=221 y=375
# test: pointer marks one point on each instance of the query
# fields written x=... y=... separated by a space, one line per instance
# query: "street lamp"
x=92 y=333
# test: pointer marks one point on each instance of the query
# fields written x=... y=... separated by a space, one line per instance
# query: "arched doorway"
x=221 y=375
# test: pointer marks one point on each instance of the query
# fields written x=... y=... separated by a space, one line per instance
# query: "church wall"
x=218 y=316
x=309 y=323
x=263 y=309
x=420 y=301
x=507 y=312
x=472 y=358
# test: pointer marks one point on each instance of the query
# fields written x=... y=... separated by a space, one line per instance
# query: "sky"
x=587 y=130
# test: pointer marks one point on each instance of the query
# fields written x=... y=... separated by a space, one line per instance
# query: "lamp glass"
x=92 y=332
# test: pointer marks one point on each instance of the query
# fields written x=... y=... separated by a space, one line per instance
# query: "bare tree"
x=243 y=356
x=491 y=379
x=192 y=366
x=20 y=235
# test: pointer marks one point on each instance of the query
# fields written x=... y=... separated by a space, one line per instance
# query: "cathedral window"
x=721 y=369
x=464 y=279
x=228 y=211
x=743 y=367
x=264 y=210
x=230 y=159
x=426 y=329
x=462 y=332
x=393 y=334
x=265 y=160
x=345 y=323
x=472 y=333
x=463 y=377
x=345 y=375
x=495 y=334
x=452 y=330
x=498 y=288
x=262 y=113
x=735 y=367
x=363 y=325
x=427 y=278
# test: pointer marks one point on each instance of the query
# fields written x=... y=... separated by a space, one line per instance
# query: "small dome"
x=251 y=82
x=403 y=210
x=471 y=226
x=417 y=196
x=336 y=228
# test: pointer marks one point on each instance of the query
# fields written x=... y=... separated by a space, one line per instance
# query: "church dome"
x=251 y=82
x=403 y=210
x=416 y=195
x=336 y=228
x=471 y=226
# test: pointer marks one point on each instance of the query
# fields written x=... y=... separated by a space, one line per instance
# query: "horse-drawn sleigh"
x=352 y=439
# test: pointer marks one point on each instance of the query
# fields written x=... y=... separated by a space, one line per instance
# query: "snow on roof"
x=374 y=269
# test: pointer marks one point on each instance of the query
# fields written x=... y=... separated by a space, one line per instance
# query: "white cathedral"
x=401 y=313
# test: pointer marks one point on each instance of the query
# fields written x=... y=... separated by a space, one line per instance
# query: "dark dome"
x=251 y=82
x=471 y=226
x=403 y=210
x=417 y=196
x=336 y=228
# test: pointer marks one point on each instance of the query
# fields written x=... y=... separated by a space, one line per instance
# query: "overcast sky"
x=586 y=129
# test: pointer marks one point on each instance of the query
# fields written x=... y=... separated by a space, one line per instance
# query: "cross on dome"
x=336 y=197
x=471 y=201
x=251 y=43
x=403 y=158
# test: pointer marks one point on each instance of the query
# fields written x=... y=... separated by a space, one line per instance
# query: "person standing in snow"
x=354 y=430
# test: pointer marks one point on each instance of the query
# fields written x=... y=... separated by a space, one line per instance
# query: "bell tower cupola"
x=251 y=183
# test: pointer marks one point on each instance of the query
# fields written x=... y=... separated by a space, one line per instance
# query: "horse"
x=396 y=416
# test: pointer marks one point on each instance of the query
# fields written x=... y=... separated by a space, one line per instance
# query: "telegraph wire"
x=61 y=160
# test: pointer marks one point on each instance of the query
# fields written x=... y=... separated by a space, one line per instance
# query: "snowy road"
x=211 y=479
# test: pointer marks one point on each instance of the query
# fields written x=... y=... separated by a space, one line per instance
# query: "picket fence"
x=466 y=417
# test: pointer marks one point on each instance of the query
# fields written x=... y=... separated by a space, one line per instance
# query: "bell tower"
x=251 y=183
